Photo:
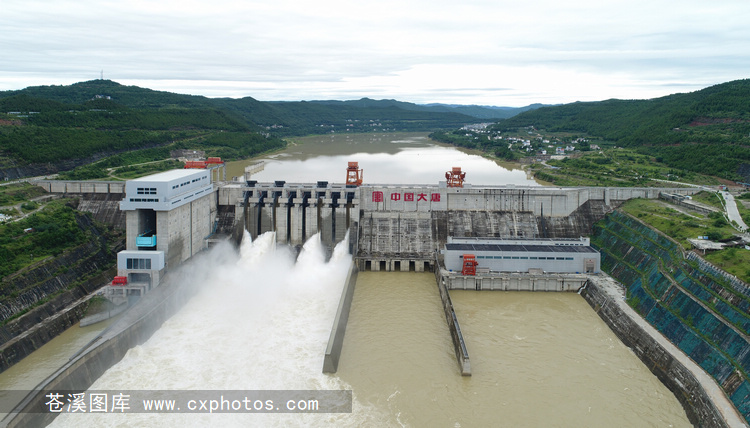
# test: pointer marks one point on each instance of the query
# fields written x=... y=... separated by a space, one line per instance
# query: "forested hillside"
x=45 y=129
x=704 y=131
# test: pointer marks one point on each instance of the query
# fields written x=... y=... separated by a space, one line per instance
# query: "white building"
x=168 y=217
x=521 y=255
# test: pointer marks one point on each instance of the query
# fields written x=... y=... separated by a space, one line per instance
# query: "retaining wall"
x=134 y=327
x=462 y=354
x=336 y=339
x=698 y=405
x=33 y=338
x=698 y=311
x=515 y=282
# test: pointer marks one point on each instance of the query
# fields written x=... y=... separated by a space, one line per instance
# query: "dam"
x=412 y=231
x=400 y=227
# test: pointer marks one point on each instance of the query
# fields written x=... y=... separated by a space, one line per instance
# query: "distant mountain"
x=475 y=111
x=58 y=127
x=706 y=130
x=486 y=112
x=282 y=118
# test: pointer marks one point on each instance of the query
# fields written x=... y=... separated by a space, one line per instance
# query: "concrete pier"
x=336 y=339
x=462 y=354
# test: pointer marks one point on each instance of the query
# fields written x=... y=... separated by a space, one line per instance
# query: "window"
x=146 y=190
x=138 y=263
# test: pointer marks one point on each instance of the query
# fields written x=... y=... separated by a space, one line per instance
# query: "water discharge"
x=262 y=322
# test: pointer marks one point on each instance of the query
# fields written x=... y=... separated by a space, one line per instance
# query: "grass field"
x=681 y=224
x=615 y=167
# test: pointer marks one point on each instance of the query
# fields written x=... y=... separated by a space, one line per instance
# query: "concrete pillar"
x=266 y=218
x=295 y=227
x=281 y=222
x=325 y=222
x=341 y=222
x=311 y=219
x=251 y=216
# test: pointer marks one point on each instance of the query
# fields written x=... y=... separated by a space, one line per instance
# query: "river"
x=538 y=359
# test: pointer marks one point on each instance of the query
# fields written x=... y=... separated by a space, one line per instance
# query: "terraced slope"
x=694 y=306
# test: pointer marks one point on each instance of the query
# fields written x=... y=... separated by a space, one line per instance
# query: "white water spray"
x=260 y=322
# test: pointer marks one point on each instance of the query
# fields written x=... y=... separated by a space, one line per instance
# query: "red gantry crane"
x=470 y=265
x=353 y=174
x=208 y=163
x=455 y=177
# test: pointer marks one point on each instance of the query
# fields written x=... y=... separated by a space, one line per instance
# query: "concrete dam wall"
x=400 y=227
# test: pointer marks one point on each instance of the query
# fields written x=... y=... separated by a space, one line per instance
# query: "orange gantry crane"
x=208 y=163
x=195 y=165
x=455 y=177
x=353 y=174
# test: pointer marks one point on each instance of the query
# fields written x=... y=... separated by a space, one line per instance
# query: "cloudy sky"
x=494 y=52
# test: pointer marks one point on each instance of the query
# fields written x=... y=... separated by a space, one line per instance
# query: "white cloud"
x=482 y=52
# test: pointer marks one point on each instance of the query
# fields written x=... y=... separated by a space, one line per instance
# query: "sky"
x=494 y=52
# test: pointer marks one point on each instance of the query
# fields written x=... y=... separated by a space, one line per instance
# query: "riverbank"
x=703 y=400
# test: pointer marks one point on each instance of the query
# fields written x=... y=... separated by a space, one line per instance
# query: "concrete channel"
x=134 y=327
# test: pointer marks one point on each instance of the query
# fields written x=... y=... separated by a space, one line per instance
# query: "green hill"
x=704 y=131
x=46 y=129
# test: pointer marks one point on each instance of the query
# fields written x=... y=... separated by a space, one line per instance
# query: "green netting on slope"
x=632 y=253
x=626 y=233
x=712 y=329
x=741 y=399
x=718 y=285
x=730 y=313
x=711 y=360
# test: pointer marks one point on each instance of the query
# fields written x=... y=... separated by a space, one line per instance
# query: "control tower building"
x=168 y=217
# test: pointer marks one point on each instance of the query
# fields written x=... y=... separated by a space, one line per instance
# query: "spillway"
x=262 y=323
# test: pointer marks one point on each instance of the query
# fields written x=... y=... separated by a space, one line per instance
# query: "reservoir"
x=262 y=320
x=409 y=158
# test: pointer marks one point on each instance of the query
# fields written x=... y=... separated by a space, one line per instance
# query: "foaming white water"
x=261 y=322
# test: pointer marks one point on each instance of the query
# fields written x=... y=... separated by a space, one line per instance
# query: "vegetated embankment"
x=700 y=312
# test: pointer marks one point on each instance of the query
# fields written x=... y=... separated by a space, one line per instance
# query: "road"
x=730 y=206
x=732 y=212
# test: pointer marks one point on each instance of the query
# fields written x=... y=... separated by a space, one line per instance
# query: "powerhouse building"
x=168 y=217
x=522 y=255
